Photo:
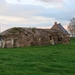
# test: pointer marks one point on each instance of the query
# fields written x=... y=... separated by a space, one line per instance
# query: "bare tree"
x=71 y=27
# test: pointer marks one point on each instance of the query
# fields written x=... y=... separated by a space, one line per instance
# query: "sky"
x=35 y=13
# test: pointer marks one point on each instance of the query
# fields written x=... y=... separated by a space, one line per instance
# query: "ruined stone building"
x=21 y=37
x=63 y=30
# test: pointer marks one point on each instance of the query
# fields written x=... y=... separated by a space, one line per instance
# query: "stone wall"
x=20 y=37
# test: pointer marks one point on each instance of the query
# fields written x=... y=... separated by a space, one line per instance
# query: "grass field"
x=39 y=60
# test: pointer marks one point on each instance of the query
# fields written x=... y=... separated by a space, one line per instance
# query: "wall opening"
x=59 y=39
x=50 y=37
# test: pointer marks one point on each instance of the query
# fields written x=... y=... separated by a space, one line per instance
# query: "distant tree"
x=71 y=27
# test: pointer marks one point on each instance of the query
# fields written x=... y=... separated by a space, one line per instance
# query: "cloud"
x=13 y=19
x=35 y=13
x=2 y=1
x=44 y=3
x=66 y=27
x=29 y=21
x=45 y=27
x=25 y=10
x=33 y=21
x=57 y=1
x=19 y=0
x=3 y=6
x=4 y=27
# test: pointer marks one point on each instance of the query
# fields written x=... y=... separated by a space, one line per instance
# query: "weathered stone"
x=20 y=37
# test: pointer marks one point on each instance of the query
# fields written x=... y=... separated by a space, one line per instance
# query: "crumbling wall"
x=20 y=37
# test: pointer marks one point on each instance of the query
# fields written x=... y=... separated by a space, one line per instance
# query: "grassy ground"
x=43 y=60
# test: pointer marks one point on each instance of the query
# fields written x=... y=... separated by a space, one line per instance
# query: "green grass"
x=38 y=60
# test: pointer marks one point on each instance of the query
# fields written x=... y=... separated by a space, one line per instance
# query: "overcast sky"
x=36 y=13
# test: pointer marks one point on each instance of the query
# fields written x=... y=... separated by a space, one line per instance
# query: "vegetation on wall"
x=34 y=30
x=15 y=30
